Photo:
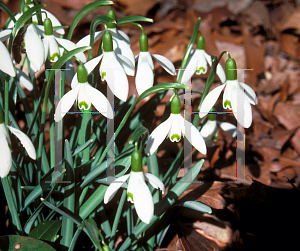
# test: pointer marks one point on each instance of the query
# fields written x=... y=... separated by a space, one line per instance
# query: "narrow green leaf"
x=82 y=147
x=93 y=232
x=20 y=23
x=197 y=206
x=69 y=200
x=188 y=49
x=5 y=8
x=84 y=11
x=92 y=202
x=46 y=230
x=128 y=19
x=9 y=242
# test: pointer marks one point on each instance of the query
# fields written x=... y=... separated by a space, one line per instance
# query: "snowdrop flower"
x=6 y=64
x=174 y=127
x=33 y=43
x=145 y=70
x=51 y=42
x=5 y=146
x=121 y=42
x=197 y=63
x=137 y=190
x=230 y=97
x=209 y=131
x=113 y=68
x=84 y=95
x=45 y=14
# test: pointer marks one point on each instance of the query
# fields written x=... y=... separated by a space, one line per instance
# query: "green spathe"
x=143 y=42
x=48 y=27
x=230 y=69
x=112 y=15
x=175 y=105
x=81 y=74
x=136 y=161
x=107 y=42
x=200 y=43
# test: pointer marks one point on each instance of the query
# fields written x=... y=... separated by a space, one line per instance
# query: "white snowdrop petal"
x=250 y=93
x=228 y=128
x=158 y=136
x=126 y=63
x=5 y=34
x=34 y=47
x=142 y=198
x=144 y=76
x=99 y=101
x=190 y=68
x=154 y=181
x=194 y=137
x=85 y=41
x=165 y=63
x=69 y=45
x=220 y=70
x=25 y=141
x=113 y=188
x=210 y=100
x=6 y=64
x=65 y=103
x=24 y=80
x=6 y=159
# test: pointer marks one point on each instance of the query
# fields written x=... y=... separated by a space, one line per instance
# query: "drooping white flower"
x=137 y=190
x=230 y=96
x=84 y=95
x=120 y=40
x=197 y=63
x=209 y=130
x=51 y=43
x=145 y=70
x=175 y=127
x=113 y=68
x=6 y=150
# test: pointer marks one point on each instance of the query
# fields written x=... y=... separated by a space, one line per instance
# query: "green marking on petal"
x=198 y=71
x=54 y=55
x=215 y=138
x=83 y=105
x=130 y=195
x=227 y=103
x=35 y=22
x=103 y=75
x=175 y=137
x=9 y=145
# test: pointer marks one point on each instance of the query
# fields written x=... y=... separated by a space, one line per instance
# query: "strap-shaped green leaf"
x=197 y=206
x=85 y=10
x=46 y=230
x=129 y=19
x=20 y=23
x=11 y=242
x=5 y=8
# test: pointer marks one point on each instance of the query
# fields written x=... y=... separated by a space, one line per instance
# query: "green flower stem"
x=133 y=23
x=52 y=128
x=75 y=237
x=117 y=219
x=85 y=135
x=188 y=49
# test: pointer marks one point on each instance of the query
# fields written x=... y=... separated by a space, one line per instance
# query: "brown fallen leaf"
x=288 y=115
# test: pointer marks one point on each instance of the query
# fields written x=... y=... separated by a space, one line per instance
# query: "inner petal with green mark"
x=103 y=75
x=129 y=196
x=83 y=105
x=227 y=104
x=198 y=71
x=54 y=56
x=175 y=137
